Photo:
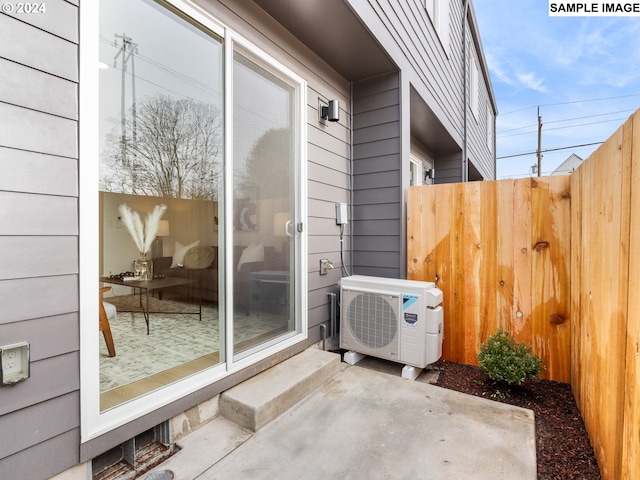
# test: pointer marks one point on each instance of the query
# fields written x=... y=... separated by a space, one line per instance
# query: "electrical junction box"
x=341 y=214
x=14 y=365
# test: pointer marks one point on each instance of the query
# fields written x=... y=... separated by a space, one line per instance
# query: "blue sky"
x=583 y=73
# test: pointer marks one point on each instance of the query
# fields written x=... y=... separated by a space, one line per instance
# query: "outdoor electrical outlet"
x=15 y=363
x=325 y=266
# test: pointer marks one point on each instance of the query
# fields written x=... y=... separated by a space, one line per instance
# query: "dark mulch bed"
x=563 y=447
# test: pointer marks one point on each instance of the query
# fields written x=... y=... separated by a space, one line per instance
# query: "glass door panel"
x=160 y=111
x=264 y=134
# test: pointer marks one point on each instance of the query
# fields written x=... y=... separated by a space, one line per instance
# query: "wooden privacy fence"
x=499 y=251
x=556 y=261
x=605 y=300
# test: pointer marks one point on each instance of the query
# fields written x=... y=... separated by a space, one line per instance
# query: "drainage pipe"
x=465 y=59
x=332 y=313
x=323 y=334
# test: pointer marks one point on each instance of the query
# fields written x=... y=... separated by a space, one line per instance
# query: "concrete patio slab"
x=365 y=424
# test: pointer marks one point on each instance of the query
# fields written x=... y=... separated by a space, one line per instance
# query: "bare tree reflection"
x=176 y=150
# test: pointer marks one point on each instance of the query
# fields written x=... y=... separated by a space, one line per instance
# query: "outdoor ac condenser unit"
x=393 y=319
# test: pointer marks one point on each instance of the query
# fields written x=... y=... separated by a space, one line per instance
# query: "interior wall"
x=189 y=220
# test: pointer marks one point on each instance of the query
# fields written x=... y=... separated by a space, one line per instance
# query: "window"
x=264 y=151
x=431 y=6
x=473 y=82
x=224 y=169
x=489 y=127
x=438 y=11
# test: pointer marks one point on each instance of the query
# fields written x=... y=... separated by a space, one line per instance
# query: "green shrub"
x=503 y=359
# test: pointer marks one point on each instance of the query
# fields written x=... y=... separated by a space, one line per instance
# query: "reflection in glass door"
x=161 y=134
x=264 y=133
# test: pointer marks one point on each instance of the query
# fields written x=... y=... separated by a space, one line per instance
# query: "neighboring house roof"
x=568 y=166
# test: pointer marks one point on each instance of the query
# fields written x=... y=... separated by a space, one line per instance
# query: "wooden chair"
x=107 y=312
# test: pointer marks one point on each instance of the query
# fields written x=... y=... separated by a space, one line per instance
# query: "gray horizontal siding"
x=29 y=298
x=328 y=170
x=38 y=256
x=48 y=336
x=39 y=49
x=35 y=131
x=433 y=66
x=39 y=233
x=39 y=423
x=377 y=177
x=377 y=212
x=449 y=168
x=37 y=90
x=59 y=19
x=422 y=55
x=479 y=152
x=384 y=228
x=27 y=214
x=53 y=455
x=50 y=378
x=328 y=176
x=31 y=172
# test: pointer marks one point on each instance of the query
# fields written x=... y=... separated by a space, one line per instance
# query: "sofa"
x=206 y=275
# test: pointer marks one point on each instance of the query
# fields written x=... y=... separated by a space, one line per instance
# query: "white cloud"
x=531 y=81
x=582 y=74
x=497 y=69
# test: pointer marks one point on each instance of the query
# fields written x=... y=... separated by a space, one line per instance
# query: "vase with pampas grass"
x=142 y=236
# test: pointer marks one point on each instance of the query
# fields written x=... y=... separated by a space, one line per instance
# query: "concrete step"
x=259 y=400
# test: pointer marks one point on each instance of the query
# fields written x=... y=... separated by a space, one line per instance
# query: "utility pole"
x=127 y=51
x=539 y=151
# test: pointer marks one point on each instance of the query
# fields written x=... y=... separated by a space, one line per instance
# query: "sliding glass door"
x=199 y=240
x=265 y=113
x=161 y=146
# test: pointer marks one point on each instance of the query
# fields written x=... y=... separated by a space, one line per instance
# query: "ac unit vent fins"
x=372 y=318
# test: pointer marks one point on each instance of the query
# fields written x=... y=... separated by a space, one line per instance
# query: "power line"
x=566 y=126
x=170 y=71
x=564 y=120
x=549 y=150
x=592 y=116
x=571 y=102
x=585 y=124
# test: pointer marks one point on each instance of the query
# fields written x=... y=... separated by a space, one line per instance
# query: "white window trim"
x=438 y=13
x=474 y=83
x=415 y=166
x=93 y=422
x=489 y=127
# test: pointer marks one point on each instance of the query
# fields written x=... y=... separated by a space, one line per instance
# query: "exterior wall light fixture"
x=331 y=111
x=431 y=173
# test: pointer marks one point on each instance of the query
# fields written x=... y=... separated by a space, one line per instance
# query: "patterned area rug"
x=175 y=337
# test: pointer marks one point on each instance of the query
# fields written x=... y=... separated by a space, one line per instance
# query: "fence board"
x=605 y=314
x=468 y=285
x=484 y=260
x=577 y=376
x=602 y=316
x=505 y=257
x=521 y=226
x=630 y=459
x=458 y=306
x=554 y=261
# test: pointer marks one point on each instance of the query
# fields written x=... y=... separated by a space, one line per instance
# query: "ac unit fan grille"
x=372 y=319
